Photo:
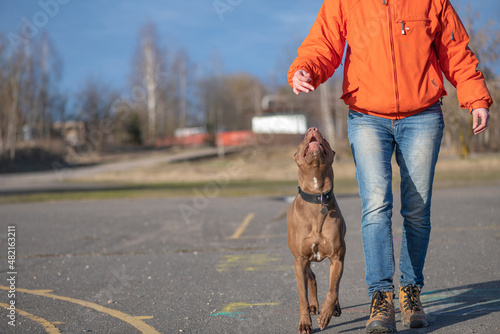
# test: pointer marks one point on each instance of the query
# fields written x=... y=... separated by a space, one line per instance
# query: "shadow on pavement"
x=450 y=307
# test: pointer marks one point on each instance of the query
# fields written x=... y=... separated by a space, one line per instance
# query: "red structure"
x=229 y=138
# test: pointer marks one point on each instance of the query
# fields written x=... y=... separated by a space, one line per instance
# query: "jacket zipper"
x=396 y=90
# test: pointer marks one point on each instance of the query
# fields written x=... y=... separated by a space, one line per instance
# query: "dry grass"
x=257 y=171
x=253 y=164
x=276 y=164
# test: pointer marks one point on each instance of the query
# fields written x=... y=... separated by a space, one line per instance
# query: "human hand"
x=300 y=82
x=484 y=115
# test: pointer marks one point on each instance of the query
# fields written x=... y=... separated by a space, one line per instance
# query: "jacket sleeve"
x=321 y=52
x=458 y=62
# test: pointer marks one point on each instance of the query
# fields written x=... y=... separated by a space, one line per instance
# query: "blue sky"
x=99 y=37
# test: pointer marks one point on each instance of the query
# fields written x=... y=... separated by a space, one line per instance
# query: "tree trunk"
x=182 y=93
x=151 y=89
x=464 y=137
x=12 y=128
x=326 y=113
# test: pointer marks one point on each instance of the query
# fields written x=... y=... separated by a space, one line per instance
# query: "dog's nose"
x=313 y=129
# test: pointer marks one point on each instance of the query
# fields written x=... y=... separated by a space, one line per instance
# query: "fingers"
x=480 y=120
x=301 y=83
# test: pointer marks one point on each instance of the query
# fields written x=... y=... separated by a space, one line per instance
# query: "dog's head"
x=314 y=151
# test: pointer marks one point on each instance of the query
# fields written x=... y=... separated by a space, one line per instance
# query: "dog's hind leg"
x=313 y=288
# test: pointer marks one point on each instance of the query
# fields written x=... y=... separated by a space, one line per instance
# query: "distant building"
x=280 y=124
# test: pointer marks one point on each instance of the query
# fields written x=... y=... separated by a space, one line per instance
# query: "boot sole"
x=380 y=327
x=380 y=330
x=416 y=324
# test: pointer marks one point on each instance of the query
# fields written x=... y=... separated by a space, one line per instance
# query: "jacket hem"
x=392 y=116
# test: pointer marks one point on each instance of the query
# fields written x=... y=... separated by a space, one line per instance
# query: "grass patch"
x=170 y=190
x=246 y=179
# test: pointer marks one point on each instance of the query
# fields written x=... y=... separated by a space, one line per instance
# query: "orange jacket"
x=396 y=54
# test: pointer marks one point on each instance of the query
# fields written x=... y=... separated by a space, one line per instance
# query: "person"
x=397 y=52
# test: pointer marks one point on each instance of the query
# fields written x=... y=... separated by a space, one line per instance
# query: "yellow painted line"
x=243 y=226
x=233 y=307
x=144 y=317
x=49 y=327
x=252 y=262
x=137 y=323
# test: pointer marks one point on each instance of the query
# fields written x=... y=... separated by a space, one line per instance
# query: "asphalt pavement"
x=205 y=264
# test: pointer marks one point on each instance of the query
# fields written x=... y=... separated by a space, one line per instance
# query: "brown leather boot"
x=411 y=308
x=382 y=318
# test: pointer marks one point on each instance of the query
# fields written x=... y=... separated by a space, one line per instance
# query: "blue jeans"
x=416 y=141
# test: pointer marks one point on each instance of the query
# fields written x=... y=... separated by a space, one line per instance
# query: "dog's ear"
x=333 y=155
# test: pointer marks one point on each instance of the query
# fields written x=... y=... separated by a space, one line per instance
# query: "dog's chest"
x=316 y=249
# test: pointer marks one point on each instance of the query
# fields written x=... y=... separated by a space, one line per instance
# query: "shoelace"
x=380 y=304
x=411 y=301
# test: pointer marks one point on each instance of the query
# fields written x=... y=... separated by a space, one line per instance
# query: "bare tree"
x=11 y=67
x=181 y=65
x=28 y=92
x=326 y=112
x=178 y=93
x=40 y=78
x=148 y=81
x=13 y=111
x=95 y=105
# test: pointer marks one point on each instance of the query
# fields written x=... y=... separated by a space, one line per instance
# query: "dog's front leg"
x=301 y=273
x=313 y=291
x=331 y=306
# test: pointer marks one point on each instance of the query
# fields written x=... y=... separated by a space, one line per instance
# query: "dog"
x=316 y=229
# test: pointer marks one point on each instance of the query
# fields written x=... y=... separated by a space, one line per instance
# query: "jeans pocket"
x=432 y=116
x=354 y=114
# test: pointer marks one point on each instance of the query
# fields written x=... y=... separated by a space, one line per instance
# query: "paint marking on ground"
x=133 y=321
x=233 y=310
x=252 y=262
x=144 y=317
x=49 y=327
x=233 y=307
x=237 y=234
x=228 y=314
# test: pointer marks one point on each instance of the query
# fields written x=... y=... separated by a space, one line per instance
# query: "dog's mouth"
x=314 y=145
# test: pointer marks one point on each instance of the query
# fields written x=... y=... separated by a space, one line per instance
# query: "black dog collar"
x=322 y=198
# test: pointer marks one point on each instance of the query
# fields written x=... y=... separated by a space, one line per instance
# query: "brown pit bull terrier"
x=316 y=229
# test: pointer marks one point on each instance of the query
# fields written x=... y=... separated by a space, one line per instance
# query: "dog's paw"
x=305 y=326
x=324 y=319
x=313 y=309
x=305 y=329
x=337 y=311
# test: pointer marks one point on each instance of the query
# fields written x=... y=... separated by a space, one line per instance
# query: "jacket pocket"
x=415 y=26
x=435 y=74
x=453 y=29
